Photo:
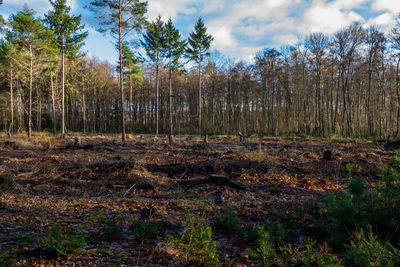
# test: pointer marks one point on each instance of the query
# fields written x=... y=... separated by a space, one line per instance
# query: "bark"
x=11 y=101
x=53 y=101
x=62 y=90
x=121 y=74
x=30 y=93
x=200 y=104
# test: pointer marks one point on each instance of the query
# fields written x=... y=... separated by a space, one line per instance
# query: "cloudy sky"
x=241 y=27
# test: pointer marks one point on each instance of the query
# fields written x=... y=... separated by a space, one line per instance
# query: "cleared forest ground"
x=104 y=203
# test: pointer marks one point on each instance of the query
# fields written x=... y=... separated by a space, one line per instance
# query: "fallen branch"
x=220 y=180
x=127 y=191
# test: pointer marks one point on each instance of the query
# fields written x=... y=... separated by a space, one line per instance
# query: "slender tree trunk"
x=62 y=90
x=157 y=93
x=30 y=93
x=10 y=130
x=200 y=98
x=121 y=73
x=53 y=101
x=398 y=96
x=130 y=103
x=170 y=103
x=83 y=107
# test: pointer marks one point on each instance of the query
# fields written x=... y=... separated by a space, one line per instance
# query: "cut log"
x=392 y=145
x=220 y=180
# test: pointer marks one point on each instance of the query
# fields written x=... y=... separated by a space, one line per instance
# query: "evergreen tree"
x=199 y=44
x=152 y=42
x=174 y=50
x=133 y=72
x=119 y=18
x=66 y=29
x=31 y=35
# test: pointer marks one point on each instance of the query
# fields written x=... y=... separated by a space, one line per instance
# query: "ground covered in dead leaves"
x=82 y=204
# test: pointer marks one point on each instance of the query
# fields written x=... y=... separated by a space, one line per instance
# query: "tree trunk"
x=83 y=107
x=130 y=102
x=53 y=101
x=200 y=98
x=121 y=73
x=62 y=91
x=30 y=93
x=170 y=103
x=157 y=93
x=10 y=130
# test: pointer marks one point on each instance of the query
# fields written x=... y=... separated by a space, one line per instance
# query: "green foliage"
x=153 y=40
x=283 y=228
x=173 y=45
x=227 y=220
x=196 y=243
x=65 y=27
x=212 y=129
x=310 y=256
x=275 y=190
x=199 y=42
x=367 y=250
x=150 y=230
x=264 y=252
x=130 y=63
x=358 y=208
x=147 y=230
x=58 y=241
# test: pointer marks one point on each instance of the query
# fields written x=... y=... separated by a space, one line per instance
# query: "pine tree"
x=119 y=18
x=152 y=42
x=174 y=50
x=31 y=35
x=199 y=44
x=133 y=72
x=66 y=29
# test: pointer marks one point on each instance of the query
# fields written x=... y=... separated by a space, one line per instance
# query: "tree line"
x=344 y=84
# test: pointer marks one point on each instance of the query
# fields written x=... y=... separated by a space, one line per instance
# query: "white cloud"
x=392 y=6
x=328 y=17
x=223 y=38
x=171 y=8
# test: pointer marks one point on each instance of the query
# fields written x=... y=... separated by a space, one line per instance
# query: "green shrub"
x=367 y=250
x=227 y=221
x=147 y=230
x=315 y=257
x=196 y=243
x=264 y=252
x=150 y=230
x=342 y=213
x=58 y=241
x=284 y=228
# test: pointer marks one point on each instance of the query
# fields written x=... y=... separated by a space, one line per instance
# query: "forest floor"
x=104 y=203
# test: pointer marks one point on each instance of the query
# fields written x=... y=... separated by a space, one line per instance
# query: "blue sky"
x=240 y=27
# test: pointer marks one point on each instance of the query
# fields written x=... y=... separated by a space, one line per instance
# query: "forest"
x=177 y=155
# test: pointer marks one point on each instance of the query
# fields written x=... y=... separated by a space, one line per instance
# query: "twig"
x=130 y=188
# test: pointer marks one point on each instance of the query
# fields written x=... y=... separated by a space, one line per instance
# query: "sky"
x=240 y=27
